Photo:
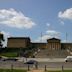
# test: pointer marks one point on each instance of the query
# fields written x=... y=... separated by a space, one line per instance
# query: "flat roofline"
x=66 y=43
x=53 y=39
x=18 y=38
x=38 y=43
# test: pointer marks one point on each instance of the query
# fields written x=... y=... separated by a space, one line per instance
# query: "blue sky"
x=37 y=19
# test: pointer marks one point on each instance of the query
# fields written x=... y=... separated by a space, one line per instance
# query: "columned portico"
x=53 y=44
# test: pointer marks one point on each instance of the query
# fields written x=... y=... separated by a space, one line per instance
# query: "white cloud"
x=66 y=41
x=49 y=34
x=42 y=39
x=6 y=35
x=16 y=19
x=67 y=14
x=52 y=32
x=48 y=24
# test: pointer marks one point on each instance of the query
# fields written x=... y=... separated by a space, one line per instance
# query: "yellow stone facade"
x=53 y=44
x=24 y=42
x=18 y=42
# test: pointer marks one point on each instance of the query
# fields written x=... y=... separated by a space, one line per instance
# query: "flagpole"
x=66 y=37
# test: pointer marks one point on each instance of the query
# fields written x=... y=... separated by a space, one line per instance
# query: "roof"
x=66 y=43
x=54 y=39
x=38 y=43
x=18 y=38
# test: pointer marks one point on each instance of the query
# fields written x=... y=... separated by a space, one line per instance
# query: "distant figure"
x=36 y=65
x=26 y=59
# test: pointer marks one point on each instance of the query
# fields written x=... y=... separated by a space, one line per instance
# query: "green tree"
x=1 y=39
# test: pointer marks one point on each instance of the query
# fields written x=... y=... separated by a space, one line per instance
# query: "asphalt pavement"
x=21 y=65
x=22 y=59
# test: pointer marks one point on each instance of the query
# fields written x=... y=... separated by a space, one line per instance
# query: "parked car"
x=11 y=59
x=31 y=62
x=68 y=59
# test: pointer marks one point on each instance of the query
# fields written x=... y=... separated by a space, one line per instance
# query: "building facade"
x=24 y=42
x=18 y=42
x=54 y=44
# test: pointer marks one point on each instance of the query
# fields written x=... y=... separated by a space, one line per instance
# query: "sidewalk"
x=39 y=70
x=49 y=69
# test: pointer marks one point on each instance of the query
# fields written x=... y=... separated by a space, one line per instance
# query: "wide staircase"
x=46 y=53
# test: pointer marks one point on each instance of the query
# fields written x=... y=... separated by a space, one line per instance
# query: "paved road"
x=42 y=59
x=56 y=64
x=17 y=64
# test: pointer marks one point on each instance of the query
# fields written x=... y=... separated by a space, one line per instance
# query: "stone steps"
x=52 y=53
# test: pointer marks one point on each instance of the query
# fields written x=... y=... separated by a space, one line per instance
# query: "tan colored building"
x=54 y=44
x=66 y=46
x=24 y=42
x=18 y=42
x=39 y=45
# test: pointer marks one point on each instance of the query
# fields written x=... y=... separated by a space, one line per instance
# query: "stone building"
x=66 y=46
x=24 y=42
x=54 y=48
x=18 y=42
x=39 y=45
x=54 y=44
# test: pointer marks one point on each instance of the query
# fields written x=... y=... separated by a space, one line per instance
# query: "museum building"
x=25 y=42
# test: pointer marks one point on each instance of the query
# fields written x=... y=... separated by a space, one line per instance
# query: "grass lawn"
x=61 y=71
x=9 y=54
x=14 y=70
x=20 y=70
